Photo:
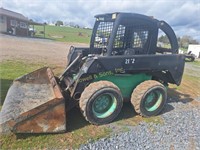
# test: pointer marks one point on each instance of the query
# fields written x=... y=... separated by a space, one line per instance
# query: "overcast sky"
x=182 y=15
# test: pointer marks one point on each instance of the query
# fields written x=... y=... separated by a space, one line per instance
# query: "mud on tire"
x=101 y=102
x=149 y=98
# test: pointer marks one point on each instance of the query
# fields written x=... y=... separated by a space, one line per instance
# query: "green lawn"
x=65 y=34
x=10 y=70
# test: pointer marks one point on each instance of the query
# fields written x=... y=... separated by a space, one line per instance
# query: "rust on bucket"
x=34 y=104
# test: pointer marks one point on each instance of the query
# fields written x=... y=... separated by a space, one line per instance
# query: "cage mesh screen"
x=103 y=33
x=136 y=38
x=119 y=40
x=139 y=38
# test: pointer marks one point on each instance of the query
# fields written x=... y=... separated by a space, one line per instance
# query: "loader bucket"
x=34 y=104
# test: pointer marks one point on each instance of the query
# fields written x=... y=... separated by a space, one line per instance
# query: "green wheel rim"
x=104 y=105
x=153 y=101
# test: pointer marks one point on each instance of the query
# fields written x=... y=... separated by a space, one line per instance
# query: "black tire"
x=98 y=92
x=149 y=98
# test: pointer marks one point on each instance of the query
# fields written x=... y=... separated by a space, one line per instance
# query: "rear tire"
x=149 y=98
x=101 y=102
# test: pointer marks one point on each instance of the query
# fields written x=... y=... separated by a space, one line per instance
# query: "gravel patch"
x=180 y=131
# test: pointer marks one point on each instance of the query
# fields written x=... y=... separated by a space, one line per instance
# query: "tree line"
x=183 y=41
x=71 y=24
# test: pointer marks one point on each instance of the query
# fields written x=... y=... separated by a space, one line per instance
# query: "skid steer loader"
x=123 y=63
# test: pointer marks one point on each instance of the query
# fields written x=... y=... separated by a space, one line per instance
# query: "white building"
x=195 y=49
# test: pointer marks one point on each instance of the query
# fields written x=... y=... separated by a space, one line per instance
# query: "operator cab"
x=127 y=34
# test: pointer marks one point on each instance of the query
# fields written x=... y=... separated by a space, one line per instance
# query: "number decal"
x=129 y=61
x=133 y=60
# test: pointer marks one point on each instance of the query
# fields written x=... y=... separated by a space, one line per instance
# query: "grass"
x=9 y=70
x=195 y=63
x=190 y=85
x=65 y=34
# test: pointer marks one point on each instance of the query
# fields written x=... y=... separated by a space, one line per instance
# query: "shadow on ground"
x=77 y=121
x=176 y=96
x=4 y=86
x=126 y=112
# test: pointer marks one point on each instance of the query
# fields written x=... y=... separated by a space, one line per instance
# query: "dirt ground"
x=35 y=50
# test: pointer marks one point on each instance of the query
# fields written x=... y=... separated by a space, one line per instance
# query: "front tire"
x=101 y=102
x=149 y=98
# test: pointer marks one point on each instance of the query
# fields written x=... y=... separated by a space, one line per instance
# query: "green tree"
x=164 y=39
x=186 y=40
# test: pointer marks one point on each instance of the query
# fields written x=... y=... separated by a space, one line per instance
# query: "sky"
x=182 y=15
